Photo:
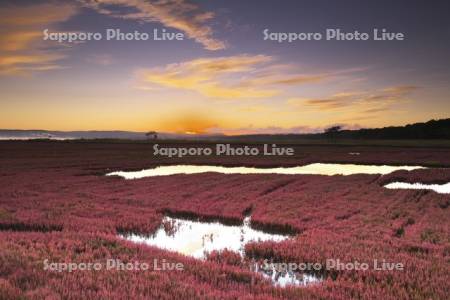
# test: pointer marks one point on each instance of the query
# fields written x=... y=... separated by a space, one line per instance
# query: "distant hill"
x=434 y=129
x=8 y=134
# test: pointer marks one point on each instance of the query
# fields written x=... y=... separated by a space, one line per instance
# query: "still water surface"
x=313 y=169
x=196 y=239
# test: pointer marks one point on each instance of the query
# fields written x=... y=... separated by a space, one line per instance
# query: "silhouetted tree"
x=332 y=132
x=333 y=129
x=152 y=135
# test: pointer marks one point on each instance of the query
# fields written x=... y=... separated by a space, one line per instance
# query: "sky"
x=223 y=77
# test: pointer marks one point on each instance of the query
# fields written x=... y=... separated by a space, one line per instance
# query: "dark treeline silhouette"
x=434 y=129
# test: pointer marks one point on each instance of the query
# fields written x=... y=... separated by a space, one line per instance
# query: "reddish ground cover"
x=56 y=204
x=429 y=176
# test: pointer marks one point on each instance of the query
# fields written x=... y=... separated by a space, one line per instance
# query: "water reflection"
x=313 y=169
x=196 y=239
x=285 y=278
x=438 y=188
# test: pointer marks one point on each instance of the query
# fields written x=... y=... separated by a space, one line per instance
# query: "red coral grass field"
x=57 y=206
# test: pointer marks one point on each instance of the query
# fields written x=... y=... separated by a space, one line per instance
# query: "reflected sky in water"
x=311 y=169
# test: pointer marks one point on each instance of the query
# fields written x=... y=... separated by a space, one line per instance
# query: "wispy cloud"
x=368 y=102
x=179 y=14
x=21 y=51
x=18 y=40
x=233 y=77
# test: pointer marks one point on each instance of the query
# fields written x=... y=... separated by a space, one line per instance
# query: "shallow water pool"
x=438 y=188
x=312 y=169
x=196 y=239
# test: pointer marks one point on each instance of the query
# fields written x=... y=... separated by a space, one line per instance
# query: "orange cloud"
x=370 y=102
x=179 y=14
x=400 y=90
x=240 y=76
x=325 y=104
x=35 y=15
x=22 y=64
x=21 y=48
x=207 y=75
x=19 y=40
x=26 y=59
